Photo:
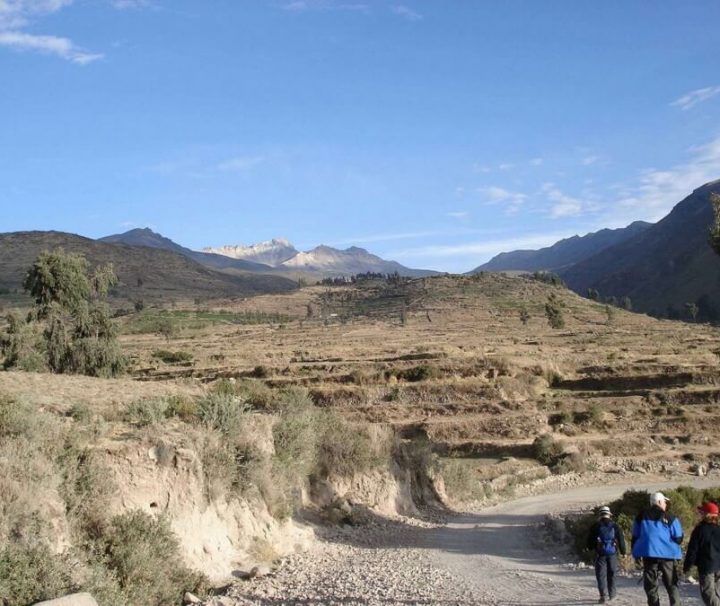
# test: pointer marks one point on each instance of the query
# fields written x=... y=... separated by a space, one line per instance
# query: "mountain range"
x=661 y=267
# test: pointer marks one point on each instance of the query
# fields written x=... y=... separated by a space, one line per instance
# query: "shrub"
x=424 y=372
x=260 y=372
x=222 y=412
x=30 y=574
x=146 y=412
x=554 y=312
x=343 y=449
x=183 y=407
x=546 y=449
x=461 y=481
x=172 y=357
x=256 y=394
x=144 y=555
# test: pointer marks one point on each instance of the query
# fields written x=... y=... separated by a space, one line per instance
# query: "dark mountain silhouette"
x=662 y=268
x=564 y=253
x=151 y=239
x=144 y=272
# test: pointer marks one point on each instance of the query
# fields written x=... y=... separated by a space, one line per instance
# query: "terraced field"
x=450 y=358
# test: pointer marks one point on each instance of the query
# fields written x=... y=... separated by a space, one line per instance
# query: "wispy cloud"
x=324 y=5
x=536 y=162
x=461 y=214
x=406 y=12
x=16 y=14
x=562 y=204
x=50 y=45
x=512 y=200
x=657 y=191
x=589 y=160
x=390 y=237
x=240 y=163
x=694 y=97
x=481 y=248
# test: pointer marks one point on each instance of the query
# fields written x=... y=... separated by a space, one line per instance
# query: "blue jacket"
x=655 y=534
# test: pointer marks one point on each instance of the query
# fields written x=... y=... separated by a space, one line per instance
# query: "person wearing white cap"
x=656 y=540
x=606 y=539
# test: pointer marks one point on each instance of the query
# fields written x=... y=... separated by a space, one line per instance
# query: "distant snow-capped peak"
x=272 y=252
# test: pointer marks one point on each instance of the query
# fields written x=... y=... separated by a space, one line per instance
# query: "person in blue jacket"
x=656 y=539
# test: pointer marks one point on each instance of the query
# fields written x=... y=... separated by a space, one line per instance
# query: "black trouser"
x=708 y=588
x=605 y=570
x=653 y=570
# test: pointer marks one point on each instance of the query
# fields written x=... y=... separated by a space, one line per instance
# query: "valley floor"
x=495 y=557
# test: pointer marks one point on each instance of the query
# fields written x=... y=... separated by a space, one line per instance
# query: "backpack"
x=606 y=540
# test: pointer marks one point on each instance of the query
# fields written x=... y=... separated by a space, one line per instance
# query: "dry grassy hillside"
x=449 y=357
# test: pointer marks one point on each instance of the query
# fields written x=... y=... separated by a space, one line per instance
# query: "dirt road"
x=494 y=557
x=494 y=551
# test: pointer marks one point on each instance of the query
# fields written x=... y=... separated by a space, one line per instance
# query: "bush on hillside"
x=144 y=555
x=30 y=574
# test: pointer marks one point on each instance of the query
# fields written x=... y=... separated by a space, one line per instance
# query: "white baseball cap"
x=604 y=511
x=657 y=497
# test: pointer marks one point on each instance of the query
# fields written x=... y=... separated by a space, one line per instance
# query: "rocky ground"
x=382 y=563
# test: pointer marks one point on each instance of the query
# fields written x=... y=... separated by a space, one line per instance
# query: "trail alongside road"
x=494 y=557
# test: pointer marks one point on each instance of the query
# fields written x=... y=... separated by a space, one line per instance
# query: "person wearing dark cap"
x=606 y=540
x=656 y=540
x=704 y=552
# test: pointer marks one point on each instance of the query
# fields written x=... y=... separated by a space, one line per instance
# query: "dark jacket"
x=594 y=536
x=657 y=534
x=704 y=548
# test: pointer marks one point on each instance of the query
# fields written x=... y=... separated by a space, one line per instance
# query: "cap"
x=604 y=512
x=656 y=497
x=709 y=509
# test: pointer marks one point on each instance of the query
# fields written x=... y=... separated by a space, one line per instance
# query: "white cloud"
x=536 y=162
x=696 y=96
x=240 y=163
x=589 y=160
x=484 y=247
x=307 y=5
x=406 y=12
x=505 y=166
x=562 y=204
x=51 y=45
x=658 y=191
x=16 y=14
x=462 y=214
x=498 y=195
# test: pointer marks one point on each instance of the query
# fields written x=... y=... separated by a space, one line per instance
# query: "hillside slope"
x=564 y=253
x=664 y=267
x=144 y=273
x=151 y=239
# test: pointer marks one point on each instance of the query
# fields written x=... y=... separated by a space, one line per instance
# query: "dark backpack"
x=606 y=541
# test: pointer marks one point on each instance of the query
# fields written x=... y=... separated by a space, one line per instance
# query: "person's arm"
x=592 y=538
x=676 y=531
x=635 y=533
x=620 y=540
x=691 y=556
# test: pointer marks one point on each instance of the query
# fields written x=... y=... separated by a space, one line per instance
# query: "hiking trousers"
x=709 y=584
x=606 y=567
x=655 y=569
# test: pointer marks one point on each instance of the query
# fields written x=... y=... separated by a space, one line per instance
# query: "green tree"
x=609 y=315
x=554 y=312
x=593 y=294
x=692 y=310
x=715 y=229
x=72 y=314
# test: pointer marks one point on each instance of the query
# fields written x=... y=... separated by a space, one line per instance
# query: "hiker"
x=606 y=540
x=704 y=552
x=656 y=540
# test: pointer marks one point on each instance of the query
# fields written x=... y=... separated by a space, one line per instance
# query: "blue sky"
x=435 y=132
